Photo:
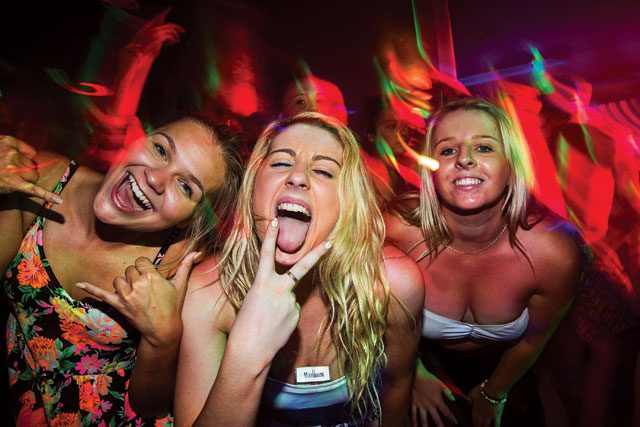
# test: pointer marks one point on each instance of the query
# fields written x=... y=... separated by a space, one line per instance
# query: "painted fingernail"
x=81 y=285
x=274 y=222
x=328 y=245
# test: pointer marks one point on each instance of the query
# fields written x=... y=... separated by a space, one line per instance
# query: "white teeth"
x=292 y=207
x=467 y=181
x=138 y=193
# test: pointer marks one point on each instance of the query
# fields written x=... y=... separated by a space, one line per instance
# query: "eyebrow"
x=174 y=152
x=474 y=137
x=314 y=158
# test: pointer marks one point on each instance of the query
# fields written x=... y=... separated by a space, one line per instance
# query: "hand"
x=18 y=170
x=484 y=413
x=270 y=312
x=151 y=303
x=149 y=39
x=428 y=392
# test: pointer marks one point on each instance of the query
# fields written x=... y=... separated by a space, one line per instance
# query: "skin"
x=314 y=94
x=225 y=357
x=466 y=287
x=111 y=240
x=301 y=171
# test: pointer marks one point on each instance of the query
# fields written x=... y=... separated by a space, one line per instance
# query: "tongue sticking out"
x=292 y=234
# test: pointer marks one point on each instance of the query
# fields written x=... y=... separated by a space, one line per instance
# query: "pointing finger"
x=106 y=296
x=268 y=249
x=37 y=191
x=307 y=262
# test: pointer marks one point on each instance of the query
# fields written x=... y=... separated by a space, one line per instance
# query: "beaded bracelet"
x=490 y=399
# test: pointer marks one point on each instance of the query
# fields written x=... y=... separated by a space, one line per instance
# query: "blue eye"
x=447 y=152
x=185 y=187
x=485 y=148
x=160 y=149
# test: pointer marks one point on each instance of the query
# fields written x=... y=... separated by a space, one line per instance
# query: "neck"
x=477 y=229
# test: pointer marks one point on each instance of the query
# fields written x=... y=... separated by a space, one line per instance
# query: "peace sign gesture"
x=270 y=312
x=151 y=303
x=18 y=170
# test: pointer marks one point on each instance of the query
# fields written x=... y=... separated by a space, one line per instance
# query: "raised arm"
x=402 y=335
x=556 y=262
x=20 y=178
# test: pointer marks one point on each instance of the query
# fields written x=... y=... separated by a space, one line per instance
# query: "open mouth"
x=129 y=196
x=295 y=219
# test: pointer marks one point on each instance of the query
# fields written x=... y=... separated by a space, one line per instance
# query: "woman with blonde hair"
x=303 y=319
x=498 y=279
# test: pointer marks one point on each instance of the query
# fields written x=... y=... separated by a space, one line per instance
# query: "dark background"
x=598 y=41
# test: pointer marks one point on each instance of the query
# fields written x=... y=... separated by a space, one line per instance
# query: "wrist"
x=489 y=396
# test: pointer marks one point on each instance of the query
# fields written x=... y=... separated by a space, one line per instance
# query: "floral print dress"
x=69 y=361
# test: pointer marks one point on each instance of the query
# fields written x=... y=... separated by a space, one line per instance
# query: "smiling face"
x=298 y=182
x=473 y=169
x=314 y=94
x=158 y=181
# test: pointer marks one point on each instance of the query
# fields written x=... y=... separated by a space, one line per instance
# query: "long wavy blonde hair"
x=350 y=277
x=428 y=213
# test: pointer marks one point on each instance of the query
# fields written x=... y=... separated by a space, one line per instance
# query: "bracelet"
x=490 y=399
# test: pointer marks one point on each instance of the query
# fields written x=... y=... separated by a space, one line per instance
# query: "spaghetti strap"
x=165 y=246
x=62 y=183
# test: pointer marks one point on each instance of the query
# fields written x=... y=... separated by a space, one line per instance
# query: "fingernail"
x=328 y=245
x=81 y=285
x=58 y=200
x=274 y=222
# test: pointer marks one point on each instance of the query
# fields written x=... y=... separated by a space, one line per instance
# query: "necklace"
x=484 y=248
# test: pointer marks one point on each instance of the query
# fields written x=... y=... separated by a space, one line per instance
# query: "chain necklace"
x=484 y=248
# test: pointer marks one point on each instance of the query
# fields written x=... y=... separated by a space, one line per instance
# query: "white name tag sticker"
x=312 y=374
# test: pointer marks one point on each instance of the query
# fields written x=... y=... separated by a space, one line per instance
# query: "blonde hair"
x=356 y=292
x=428 y=214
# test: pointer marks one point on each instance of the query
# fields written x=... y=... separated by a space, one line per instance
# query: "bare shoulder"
x=400 y=233
x=51 y=166
x=206 y=302
x=554 y=251
x=404 y=277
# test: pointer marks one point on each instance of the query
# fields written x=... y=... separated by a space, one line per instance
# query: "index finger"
x=109 y=297
x=268 y=249
x=307 y=262
x=37 y=191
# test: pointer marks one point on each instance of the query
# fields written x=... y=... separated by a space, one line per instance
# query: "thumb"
x=449 y=394
x=26 y=149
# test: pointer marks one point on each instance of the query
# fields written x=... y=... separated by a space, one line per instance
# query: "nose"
x=466 y=158
x=298 y=178
x=156 y=179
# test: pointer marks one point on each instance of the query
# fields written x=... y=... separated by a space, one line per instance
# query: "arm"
x=402 y=335
x=20 y=177
x=206 y=317
x=236 y=386
x=557 y=272
x=118 y=124
x=152 y=305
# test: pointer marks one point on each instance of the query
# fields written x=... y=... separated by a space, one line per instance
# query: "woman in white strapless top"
x=497 y=280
